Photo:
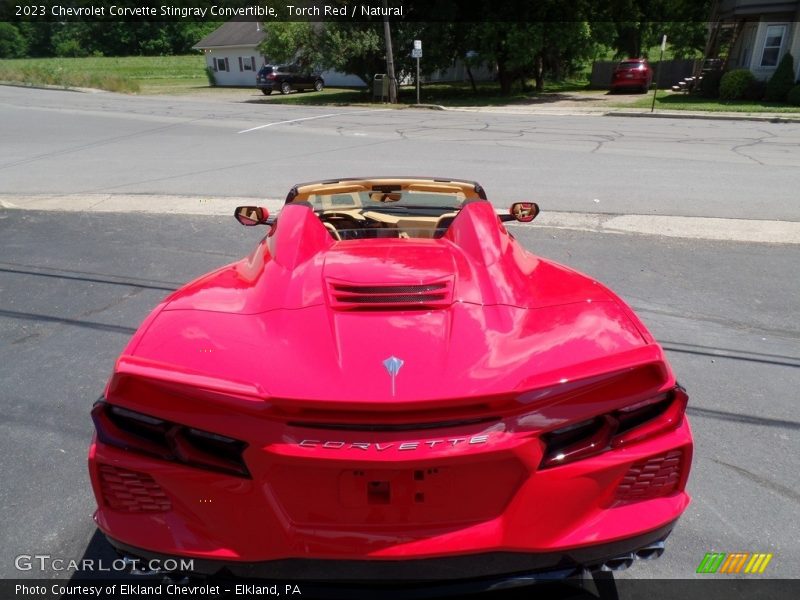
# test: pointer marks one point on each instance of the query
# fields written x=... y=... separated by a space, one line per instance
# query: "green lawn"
x=331 y=96
x=448 y=94
x=488 y=94
x=132 y=74
x=185 y=74
x=671 y=101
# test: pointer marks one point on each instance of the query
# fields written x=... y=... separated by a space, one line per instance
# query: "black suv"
x=287 y=78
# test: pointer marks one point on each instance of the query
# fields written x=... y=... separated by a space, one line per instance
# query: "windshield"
x=389 y=200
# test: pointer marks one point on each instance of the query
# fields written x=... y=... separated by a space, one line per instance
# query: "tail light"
x=616 y=429
x=138 y=432
x=271 y=76
x=651 y=417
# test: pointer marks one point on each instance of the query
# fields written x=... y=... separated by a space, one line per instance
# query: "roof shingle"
x=233 y=33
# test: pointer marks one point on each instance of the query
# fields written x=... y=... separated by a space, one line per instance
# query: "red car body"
x=633 y=73
x=391 y=408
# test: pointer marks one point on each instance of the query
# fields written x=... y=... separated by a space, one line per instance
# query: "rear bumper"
x=634 y=82
x=460 y=567
x=302 y=511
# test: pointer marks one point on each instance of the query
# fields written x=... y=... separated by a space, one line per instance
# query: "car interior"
x=377 y=210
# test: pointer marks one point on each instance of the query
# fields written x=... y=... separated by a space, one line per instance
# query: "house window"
x=772 y=45
x=221 y=64
x=247 y=63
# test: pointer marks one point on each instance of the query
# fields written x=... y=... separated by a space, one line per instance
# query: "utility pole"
x=658 y=71
x=387 y=34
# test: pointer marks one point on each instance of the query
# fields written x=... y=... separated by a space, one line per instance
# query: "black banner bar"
x=439 y=11
x=144 y=588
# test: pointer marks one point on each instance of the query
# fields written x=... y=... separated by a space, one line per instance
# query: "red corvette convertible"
x=390 y=388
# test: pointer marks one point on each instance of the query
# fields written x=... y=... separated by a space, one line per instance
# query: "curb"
x=706 y=116
x=671 y=226
x=47 y=86
x=428 y=106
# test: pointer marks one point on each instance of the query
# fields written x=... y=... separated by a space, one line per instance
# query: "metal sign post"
x=658 y=71
x=417 y=53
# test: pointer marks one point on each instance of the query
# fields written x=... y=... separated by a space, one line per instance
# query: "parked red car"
x=634 y=73
x=391 y=388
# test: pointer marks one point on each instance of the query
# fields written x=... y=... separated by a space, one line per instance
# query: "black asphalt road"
x=73 y=288
x=59 y=142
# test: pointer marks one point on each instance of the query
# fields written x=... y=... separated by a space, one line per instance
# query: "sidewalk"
x=703 y=228
x=604 y=111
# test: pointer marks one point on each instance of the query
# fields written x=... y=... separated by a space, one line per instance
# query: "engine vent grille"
x=131 y=491
x=426 y=295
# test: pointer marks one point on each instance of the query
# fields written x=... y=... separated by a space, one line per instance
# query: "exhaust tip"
x=650 y=552
x=618 y=563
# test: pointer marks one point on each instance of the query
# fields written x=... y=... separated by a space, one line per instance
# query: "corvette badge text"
x=400 y=447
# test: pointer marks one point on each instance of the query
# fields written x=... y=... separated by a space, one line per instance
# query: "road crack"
x=762 y=481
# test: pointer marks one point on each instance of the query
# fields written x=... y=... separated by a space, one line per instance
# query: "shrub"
x=709 y=85
x=756 y=90
x=70 y=48
x=52 y=74
x=212 y=79
x=734 y=84
x=782 y=80
x=794 y=96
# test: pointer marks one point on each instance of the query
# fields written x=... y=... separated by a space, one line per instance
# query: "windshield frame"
x=471 y=190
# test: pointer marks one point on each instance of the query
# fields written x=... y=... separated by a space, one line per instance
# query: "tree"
x=12 y=43
x=356 y=48
x=640 y=24
x=442 y=43
x=71 y=39
x=349 y=47
x=38 y=37
x=283 y=40
x=539 y=40
x=535 y=49
x=119 y=38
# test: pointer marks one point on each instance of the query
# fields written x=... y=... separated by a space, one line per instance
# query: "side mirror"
x=524 y=212
x=250 y=216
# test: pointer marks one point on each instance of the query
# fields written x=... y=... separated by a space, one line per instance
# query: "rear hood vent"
x=347 y=296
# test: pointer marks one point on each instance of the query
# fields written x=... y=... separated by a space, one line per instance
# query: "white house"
x=231 y=51
x=761 y=32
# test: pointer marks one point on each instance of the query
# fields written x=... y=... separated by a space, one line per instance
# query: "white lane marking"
x=312 y=118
